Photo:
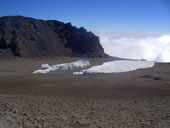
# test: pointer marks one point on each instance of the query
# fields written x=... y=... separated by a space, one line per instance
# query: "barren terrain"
x=138 y=99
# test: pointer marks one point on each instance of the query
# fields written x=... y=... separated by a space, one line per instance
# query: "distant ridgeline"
x=29 y=37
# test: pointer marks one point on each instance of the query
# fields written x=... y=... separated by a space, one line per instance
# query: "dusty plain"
x=137 y=99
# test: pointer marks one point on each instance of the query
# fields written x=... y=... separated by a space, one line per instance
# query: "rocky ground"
x=61 y=112
x=5 y=124
x=138 y=99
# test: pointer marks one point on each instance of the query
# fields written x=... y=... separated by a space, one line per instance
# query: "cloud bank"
x=149 y=46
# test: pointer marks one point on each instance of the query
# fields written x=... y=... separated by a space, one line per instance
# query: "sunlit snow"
x=116 y=67
x=45 y=68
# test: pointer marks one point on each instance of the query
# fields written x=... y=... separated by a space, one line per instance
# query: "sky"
x=136 y=29
x=97 y=15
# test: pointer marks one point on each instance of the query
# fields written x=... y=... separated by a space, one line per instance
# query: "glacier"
x=117 y=67
x=45 y=68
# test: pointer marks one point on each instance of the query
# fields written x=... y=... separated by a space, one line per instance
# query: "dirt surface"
x=138 y=99
x=4 y=123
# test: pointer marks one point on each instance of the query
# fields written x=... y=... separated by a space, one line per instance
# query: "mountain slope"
x=29 y=37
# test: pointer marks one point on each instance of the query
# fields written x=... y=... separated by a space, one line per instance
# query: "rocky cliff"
x=29 y=37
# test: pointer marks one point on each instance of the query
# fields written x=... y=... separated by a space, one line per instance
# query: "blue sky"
x=97 y=15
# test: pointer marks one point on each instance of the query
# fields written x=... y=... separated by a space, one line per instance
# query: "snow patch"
x=45 y=68
x=116 y=67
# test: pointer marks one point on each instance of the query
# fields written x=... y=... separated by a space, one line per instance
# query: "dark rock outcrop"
x=29 y=37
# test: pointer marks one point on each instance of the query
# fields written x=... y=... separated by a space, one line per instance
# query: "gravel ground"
x=64 y=112
x=6 y=124
x=138 y=99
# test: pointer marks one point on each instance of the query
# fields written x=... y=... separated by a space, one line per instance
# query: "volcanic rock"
x=29 y=37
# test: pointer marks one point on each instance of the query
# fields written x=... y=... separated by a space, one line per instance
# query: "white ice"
x=116 y=67
x=45 y=68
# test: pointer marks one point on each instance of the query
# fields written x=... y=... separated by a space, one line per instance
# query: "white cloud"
x=150 y=46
